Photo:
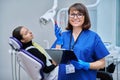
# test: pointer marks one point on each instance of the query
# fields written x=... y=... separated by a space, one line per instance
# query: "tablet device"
x=61 y=56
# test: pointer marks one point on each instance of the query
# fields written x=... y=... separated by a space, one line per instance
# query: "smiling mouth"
x=76 y=22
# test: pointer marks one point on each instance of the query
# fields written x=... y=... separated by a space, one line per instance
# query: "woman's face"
x=26 y=35
x=76 y=19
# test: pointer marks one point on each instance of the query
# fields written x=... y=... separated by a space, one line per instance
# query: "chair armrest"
x=104 y=75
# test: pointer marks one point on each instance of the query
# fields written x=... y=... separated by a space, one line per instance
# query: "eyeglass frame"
x=79 y=15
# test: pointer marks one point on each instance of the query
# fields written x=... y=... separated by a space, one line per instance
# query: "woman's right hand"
x=58 y=34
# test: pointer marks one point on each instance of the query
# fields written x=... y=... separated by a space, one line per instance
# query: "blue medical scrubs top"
x=88 y=48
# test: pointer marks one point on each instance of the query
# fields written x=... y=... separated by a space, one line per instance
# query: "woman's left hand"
x=81 y=64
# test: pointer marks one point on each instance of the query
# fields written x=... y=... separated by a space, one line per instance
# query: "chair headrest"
x=15 y=43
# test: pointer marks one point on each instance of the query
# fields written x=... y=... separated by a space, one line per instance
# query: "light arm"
x=98 y=64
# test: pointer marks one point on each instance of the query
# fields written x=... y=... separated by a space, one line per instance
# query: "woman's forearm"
x=98 y=64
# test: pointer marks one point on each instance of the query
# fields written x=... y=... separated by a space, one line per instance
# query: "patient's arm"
x=53 y=62
x=39 y=55
x=48 y=69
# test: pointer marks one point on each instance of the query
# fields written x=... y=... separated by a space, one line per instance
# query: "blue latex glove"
x=81 y=64
x=58 y=32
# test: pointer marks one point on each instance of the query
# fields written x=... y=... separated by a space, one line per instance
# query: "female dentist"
x=86 y=44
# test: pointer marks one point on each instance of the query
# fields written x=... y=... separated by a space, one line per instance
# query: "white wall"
x=27 y=12
x=106 y=14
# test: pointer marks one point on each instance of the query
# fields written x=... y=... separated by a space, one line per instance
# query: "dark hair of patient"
x=16 y=33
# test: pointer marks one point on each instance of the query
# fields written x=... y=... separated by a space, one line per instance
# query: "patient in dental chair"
x=25 y=36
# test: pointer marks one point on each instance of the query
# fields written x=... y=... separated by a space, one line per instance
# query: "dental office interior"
x=104 y=15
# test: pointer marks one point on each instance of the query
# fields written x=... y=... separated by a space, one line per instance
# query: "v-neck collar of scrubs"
x=72 y=41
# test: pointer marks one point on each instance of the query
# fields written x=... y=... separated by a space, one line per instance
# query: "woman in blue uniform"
x=86 y=44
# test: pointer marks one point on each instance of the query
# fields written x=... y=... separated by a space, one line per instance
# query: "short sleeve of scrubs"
x=100 y=49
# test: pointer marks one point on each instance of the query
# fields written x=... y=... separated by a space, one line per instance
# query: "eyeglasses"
x=80 y=15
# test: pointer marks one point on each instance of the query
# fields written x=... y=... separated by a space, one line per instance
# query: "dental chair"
x=31 y=65
x=102 y=75
x=106 y=73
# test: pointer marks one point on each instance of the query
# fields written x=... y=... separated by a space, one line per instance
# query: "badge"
x=70 y=69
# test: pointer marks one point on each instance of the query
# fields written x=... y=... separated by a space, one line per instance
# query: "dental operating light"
x=49 y=15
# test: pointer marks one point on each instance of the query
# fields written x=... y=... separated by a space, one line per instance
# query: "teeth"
x=76 y=21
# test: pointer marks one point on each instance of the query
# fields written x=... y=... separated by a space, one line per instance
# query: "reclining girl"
x=25 y=36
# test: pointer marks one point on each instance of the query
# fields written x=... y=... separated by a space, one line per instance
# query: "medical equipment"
x=32 y=65
x=114 y=58
x=49 y=15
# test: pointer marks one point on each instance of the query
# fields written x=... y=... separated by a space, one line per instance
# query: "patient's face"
x=26 y=34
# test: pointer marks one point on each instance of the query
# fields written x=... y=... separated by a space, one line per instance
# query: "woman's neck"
x=76 y=32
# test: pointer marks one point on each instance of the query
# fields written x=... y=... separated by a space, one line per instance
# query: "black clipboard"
x=61 y=56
